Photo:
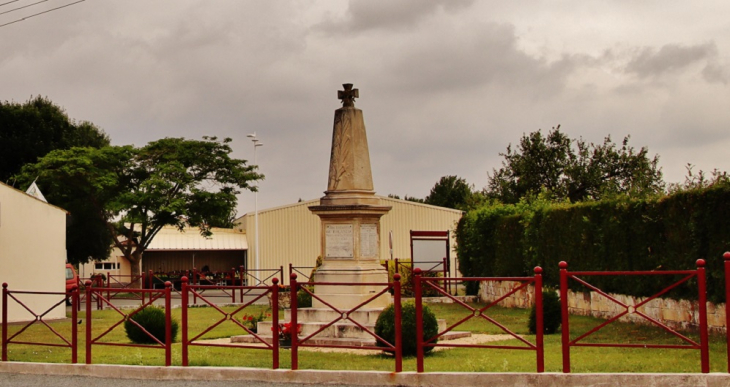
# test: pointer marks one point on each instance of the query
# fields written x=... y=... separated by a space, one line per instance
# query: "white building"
x=32 y=252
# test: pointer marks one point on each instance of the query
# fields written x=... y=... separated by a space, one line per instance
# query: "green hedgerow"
x=551 y=313
x=152 y=319
x=385 y=327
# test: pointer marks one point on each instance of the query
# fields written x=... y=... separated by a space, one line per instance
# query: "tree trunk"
x=135 y=262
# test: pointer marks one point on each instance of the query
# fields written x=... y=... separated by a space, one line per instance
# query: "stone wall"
x=680 y=314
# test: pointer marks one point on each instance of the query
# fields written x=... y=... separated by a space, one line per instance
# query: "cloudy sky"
x=445 y=85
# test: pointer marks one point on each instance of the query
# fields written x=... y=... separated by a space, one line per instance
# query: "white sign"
x=338 y=241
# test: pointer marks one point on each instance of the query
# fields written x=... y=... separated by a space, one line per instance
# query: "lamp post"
x=256 y=144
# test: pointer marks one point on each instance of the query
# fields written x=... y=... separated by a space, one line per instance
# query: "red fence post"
x=447 y=284
x=108 y=283
x=702 y=300
x=419 y=318
x=74 y=328
x=539 y=321
x=168 y=324
x=5 y=322
x=88 y=321
x=99 y=284
x=291 y=270
x=184 y=318
x=398 y=324
x=275 y=322
x=241 y=278
x=293 y=322
x=564 y=314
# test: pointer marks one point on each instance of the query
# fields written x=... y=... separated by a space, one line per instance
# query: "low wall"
x=680 y=314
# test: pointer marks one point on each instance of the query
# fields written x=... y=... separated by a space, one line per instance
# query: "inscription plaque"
x=369 y=240
x=338 y=241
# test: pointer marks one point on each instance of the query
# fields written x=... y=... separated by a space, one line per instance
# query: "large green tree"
x=32 y=129
x=573 y=169
x=135 y=192
x=452 y=192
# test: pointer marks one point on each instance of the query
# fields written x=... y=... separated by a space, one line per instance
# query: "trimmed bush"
x=152 y=319
x=385 y=327
x=304 y=299
x=551 y=314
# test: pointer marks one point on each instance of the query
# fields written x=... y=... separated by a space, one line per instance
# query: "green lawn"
x=453 y=360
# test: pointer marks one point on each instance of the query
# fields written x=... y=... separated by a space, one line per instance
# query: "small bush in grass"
x=385 y=327
x=551 y=314
x=153 y=321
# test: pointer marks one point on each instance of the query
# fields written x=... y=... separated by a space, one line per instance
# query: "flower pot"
x=284 y=300
x=285 y=343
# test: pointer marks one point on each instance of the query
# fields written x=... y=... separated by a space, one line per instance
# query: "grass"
x=583 y=359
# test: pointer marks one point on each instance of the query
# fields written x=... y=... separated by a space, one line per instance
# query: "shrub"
x=152 y=319
x=304 y=299
x=551 y=314
x=385 y=327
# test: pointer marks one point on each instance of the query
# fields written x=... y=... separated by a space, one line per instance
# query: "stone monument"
x=350 y=216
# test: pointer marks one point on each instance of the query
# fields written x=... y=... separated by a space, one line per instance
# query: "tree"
x=452 y=192
x=135 y=192
x=585 y=171
x=407 y=198
x=31 y=130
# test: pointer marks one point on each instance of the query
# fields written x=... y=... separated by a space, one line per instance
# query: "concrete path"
x=82 y=375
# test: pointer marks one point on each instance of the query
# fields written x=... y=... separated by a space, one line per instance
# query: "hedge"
x=667 y=233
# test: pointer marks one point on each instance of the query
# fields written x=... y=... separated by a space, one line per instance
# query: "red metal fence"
x=95 y=294
x=125 y=281
x=92 y=292
x=423 y=282
x=699 y=274
x=298 y=269
x=345 y=315
x=71 y=342
x=197 y=292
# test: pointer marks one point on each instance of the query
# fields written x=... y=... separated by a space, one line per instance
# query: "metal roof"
x=170 y=238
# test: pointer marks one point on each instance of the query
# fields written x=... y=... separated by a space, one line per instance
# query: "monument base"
x=355 y=287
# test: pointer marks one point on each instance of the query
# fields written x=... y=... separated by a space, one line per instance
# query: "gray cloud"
x=650 y=62
x=390 y=15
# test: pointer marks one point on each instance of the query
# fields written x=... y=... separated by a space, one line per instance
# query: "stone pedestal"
x=350 y=246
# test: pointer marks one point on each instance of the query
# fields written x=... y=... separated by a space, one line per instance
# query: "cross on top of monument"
x=348 y=95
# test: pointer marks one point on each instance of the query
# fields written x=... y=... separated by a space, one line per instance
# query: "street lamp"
x=256 y=144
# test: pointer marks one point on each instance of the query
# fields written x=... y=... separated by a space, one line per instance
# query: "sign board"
x=428 y=250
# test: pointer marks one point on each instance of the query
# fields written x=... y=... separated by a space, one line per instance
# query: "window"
x=106 y=266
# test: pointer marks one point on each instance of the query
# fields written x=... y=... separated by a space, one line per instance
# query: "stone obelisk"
x=350 y=215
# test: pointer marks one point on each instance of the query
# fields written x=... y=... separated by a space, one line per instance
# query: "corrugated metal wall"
x=291 y=234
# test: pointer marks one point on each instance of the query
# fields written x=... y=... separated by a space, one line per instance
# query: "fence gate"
x=699 y=274
x=421 y=283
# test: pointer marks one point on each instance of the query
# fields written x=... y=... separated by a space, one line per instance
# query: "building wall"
x=292 y=234
x=116 y=259
x=32 y=252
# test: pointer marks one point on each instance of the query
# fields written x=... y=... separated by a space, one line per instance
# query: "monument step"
x=340 y=329
x=343 y=342
x=337 y=330
x=363 y=316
